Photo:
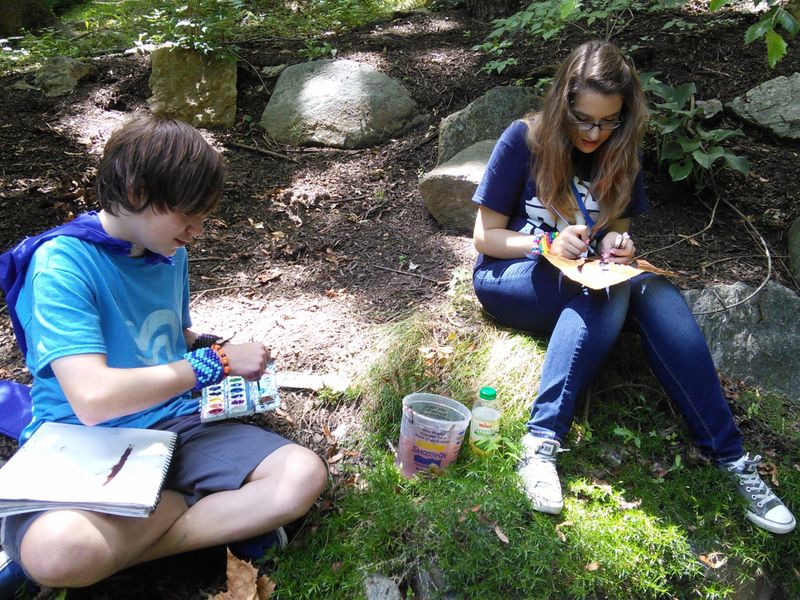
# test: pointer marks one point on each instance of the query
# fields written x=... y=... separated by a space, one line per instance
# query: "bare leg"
x=77 y=548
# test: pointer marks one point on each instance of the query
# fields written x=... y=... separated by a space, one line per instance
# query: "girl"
x=567 y=181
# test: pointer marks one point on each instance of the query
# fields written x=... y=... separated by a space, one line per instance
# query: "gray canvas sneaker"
x=537 y=469
x=764 y=508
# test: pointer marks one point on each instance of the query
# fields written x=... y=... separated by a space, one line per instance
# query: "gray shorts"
x=209 y=457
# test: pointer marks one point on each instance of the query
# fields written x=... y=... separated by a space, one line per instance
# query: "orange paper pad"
x=592 y=275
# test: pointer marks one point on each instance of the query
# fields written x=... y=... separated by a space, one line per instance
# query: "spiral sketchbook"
x=114 y=470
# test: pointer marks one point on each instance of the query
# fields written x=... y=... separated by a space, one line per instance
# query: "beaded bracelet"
x=210 y=366
x=205 y=340
x=542 y=240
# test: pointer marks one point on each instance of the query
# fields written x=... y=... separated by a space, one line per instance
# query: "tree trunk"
x=486 y=10
x=16 y=15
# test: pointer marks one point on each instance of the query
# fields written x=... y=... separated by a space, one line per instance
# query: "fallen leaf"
x=560 y=533
x=264 y=586
x=500 y=534
x=336 y=458
x=328 y=435
x=284 y=414
x=241 y=580
x=714 y=560
x=592 y=566
x=336 y=566
x=768 y=469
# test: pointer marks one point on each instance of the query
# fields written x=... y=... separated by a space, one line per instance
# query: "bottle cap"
x=488 y=393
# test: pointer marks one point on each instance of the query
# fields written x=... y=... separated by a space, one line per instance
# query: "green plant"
x=548 y=18
x=628 y=436
x=775 y=16
x=315 y=50
x=690 y=151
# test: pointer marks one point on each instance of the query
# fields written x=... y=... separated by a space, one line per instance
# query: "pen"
x=560 y=216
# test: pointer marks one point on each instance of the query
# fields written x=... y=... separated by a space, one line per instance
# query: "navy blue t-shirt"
x=507 y=188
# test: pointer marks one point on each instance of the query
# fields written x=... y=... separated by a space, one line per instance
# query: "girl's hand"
x=247 y=360
x=617 y=248
x=572 y=242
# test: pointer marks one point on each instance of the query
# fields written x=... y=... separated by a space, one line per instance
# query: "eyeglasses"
x=601 y=125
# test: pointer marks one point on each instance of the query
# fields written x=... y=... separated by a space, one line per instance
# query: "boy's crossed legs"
x=69 y=548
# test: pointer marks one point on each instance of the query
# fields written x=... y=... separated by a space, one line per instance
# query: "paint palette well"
x=237 y=397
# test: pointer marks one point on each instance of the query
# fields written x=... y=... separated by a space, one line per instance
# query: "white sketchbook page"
x=73 y=463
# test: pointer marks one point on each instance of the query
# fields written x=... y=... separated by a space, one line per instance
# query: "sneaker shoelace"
x=753 y=484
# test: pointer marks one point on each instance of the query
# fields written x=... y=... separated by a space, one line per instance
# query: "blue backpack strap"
x=15 y=408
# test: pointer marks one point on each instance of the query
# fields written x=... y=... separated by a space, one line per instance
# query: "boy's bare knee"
x=68 y=560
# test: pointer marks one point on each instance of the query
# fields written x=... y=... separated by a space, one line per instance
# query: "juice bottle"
x=484 y=431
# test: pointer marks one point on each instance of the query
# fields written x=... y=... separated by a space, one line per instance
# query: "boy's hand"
x=247 y=360
x=572 y=242
x=617 y=248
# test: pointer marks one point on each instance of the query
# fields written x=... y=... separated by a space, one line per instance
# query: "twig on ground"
x=756 y=236
x=269 y=153
x=409 y=273
x=686 y=238
x=200 y=293
x=249 y=64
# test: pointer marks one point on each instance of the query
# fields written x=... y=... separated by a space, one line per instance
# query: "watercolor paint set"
x=236 y=397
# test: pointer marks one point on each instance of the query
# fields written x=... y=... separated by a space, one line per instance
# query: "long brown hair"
x=596 y=66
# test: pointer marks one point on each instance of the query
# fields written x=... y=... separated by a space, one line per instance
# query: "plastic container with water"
x=431 y=432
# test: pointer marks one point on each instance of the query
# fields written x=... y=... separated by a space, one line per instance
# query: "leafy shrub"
x=765 y=27
x=691 y=152
x=548 y=18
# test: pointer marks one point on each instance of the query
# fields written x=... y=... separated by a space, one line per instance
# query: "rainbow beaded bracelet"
x=542 y=240
x=210 y=366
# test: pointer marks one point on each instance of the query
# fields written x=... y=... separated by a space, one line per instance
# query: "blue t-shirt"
x=507 y=188
x=79 y=298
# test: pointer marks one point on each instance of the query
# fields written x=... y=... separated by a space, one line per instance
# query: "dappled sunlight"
x=315 y=332
x=612 y=534
x=515 y=362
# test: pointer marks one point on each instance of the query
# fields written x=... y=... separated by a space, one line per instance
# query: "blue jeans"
x=584 y=324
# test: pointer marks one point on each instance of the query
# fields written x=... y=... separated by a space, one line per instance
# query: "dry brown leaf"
x=336 y=458
x=714 y=560
x=336 y=566
x=592 y=566
x=560 y=533
x=768 y=469
x=500 y=534
x=327 y=433
x=264 y=586
x=284 y=414
x=241 y=580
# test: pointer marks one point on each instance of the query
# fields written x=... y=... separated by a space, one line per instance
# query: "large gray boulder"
x=485 y=118
x=337 y=103
x=775 y=105
x=447 y=190
x=756 y=341
x=60 y=75
x=193 y=87
x=794 y=249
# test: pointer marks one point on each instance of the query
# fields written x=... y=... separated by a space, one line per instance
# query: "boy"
x=100 y=309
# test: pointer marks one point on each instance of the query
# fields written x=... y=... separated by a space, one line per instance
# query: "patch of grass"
x=98 y=26
x=640 y=516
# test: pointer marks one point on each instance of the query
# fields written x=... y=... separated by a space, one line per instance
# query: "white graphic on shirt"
x=538 y=215
x=157 y=336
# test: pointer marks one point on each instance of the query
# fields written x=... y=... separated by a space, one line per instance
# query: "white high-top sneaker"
x=537 y=469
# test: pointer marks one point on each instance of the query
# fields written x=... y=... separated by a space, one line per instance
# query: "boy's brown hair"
x=160 y=163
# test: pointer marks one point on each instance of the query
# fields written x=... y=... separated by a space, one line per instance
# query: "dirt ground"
x=314 y=252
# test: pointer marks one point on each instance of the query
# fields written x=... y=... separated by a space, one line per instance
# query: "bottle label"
x=484 y=429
